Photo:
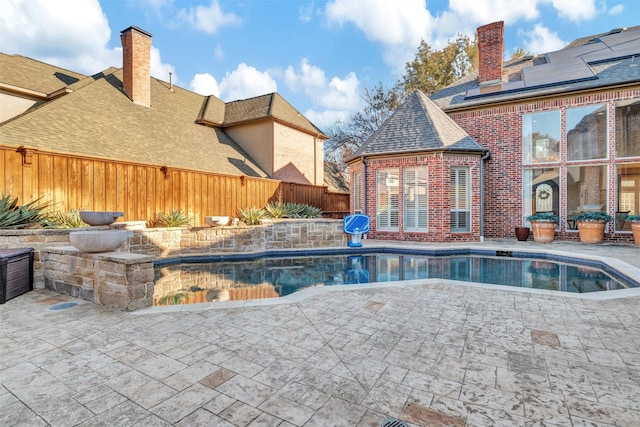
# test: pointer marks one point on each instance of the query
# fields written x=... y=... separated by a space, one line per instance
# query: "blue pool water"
x=223 y=278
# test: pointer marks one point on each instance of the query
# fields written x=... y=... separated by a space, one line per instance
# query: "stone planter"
x=100 y=217
x=591 y=232
x=635 y=227
x=543 y=232
x=98 y=241
x=522 y=233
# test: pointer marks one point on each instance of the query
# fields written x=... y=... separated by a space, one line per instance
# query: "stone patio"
x=432 y=353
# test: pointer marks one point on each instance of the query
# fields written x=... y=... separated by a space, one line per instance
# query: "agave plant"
x=252 y=216
x=14 y=216
x=276 y=209
x=293 y=210
x=173 y=218
x=69 y=219
x=309 y=211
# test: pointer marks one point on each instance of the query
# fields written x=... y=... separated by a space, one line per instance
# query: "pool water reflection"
x=185 y=283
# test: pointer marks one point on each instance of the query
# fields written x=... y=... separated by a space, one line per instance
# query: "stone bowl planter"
x=99 y=240
x=100 y=217
x=216 y=221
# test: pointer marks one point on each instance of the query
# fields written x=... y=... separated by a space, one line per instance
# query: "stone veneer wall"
x=124 y=279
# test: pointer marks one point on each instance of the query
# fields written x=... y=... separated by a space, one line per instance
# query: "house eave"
x=477 y=152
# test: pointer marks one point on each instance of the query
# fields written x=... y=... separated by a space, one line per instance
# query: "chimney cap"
x=138 y=29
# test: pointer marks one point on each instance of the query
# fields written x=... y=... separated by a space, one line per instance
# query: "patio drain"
x=62 y=306
x=393 y=422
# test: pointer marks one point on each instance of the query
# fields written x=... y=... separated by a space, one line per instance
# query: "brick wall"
x=136 y=65
x=490 y=48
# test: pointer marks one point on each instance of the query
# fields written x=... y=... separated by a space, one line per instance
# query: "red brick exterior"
x=136 y=65
x=500 y=130
x=439 y=167
x=490 y=47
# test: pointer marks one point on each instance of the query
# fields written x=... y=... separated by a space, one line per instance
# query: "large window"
x=586 y=191
x=627 y=194
x=587 y=132
x=541 y=137
x=460 y=204
x=541 y=191
x=415 y=199
x=387 y=191
x=357 y=192
x=628 y=129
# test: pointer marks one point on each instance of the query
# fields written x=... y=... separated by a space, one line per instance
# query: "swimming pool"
x=241 y=277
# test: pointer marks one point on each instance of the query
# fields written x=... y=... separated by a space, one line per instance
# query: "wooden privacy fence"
x=141 y=191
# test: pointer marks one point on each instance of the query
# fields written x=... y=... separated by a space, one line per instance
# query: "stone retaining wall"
x=121 y=279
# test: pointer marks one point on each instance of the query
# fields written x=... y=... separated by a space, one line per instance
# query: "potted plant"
x=544 y=226
x=591 y=226
x=635 y=227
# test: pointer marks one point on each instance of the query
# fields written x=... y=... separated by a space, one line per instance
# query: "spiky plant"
x=251 y=216
x=173 y=218
x=293 y=210
x=276 y=209
x=69 y=219
x=309 y=211
x=14 y=216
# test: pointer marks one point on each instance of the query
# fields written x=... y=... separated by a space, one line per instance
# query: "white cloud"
x=205 y=84
x=208 y=18
x=541 y=40
x=66 y=33
x=575 y=10
x=246 y=82
x=160 y=70
x=480 y=12
x=616 y=10
x=338 y=97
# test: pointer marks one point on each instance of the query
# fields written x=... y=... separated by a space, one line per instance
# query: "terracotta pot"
x=543 y=232
x=522 y=233
x=635 y=227
x=591 y=232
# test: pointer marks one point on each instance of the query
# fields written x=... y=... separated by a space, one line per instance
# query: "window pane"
x=628 y=129
x=415 y=199
x=460 y=218
x=541 y=137
x=357 y=203
x=586 y=191
x=541 y=191
x=387 y=189
x=587 y=132
x=628 y=194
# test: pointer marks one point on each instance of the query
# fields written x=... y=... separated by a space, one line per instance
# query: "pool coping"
x=622 y=268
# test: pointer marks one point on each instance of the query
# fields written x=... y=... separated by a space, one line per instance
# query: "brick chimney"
x=490 y=46
x=136 y=65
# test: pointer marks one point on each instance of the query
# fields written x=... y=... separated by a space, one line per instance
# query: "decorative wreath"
x=544 y=194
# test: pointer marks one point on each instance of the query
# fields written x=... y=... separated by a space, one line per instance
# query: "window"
x=587 y=132
x=628 y=129
x=387 y=191
x=415 y=199
x=586 y=191
x=459 y=200
x=541 y=191
x=357 y=191
x=541 y=137
x=627 y=194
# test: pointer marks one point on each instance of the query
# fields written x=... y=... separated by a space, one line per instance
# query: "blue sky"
x=319 y=55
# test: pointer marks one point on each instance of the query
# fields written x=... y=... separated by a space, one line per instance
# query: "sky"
x=319 y=55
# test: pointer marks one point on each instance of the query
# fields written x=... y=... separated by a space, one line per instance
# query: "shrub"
x=69 y=219
x=310 y=212
x=173 y=218
x=593 y=217
x=633 y=218
x=252 y=216
x=276 y=209
x=29 y=215
x=543 y=217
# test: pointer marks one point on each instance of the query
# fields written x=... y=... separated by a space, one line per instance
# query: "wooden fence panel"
x=141 y=191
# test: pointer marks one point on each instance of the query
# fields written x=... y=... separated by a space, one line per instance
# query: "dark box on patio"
x=16 y=272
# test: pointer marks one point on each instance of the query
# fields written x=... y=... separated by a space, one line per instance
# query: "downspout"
x=364 y=185
x=486 y=156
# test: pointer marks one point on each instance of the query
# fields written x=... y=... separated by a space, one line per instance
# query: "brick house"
x=561 y=133
x=127 y=115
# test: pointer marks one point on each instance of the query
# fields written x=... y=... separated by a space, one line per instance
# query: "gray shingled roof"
x=97 y=119
x=588 y=63
x=416 y=126
x=27 y=73
x=272 y=106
